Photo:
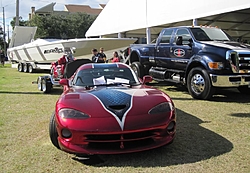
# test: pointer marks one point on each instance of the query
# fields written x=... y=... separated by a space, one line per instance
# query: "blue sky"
x=25 y=7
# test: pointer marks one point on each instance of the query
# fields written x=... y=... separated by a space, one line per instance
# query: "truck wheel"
x=46 y=86
x=20 y=67
x=25 y=67
x=244 y=90
x=138 y=69
x=53 y=132
x=199 y=85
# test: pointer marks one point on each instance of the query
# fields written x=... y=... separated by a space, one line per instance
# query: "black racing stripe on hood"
x=116 y=101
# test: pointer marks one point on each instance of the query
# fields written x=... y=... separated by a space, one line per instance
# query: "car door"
x=181 y=50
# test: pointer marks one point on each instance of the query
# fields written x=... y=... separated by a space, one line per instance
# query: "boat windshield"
x=209 y=34
x=105 y=76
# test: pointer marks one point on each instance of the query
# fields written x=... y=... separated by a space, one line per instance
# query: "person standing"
x=2 y=57
x=115 y=57
x=103 y=54
x=97 y=57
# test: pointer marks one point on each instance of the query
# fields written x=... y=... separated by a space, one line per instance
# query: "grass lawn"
x=212 y=136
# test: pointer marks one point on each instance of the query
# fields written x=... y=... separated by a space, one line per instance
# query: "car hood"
x=227 y=44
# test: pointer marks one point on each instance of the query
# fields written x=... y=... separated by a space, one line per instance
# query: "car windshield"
x=209 y=34
x=105 y=76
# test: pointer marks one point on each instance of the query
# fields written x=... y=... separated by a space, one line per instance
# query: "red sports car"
x=107 y=109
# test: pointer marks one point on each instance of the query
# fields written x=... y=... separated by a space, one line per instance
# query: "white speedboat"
x=24 y=49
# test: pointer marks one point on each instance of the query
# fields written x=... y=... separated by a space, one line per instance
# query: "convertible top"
x=73 y=66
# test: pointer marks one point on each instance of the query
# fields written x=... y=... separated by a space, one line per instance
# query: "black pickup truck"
x=202 y=58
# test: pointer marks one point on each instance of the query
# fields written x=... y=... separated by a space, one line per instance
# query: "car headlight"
x=162 y=108
x=72 y=114
x=215 y=65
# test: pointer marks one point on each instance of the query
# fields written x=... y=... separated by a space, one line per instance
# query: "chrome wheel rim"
x=39 y=85
x=197 y=84
x=43 y=85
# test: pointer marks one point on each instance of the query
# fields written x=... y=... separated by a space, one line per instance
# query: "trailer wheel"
x=46 y=86
x=39 y=83
x=244 y=90
x=20 y=67
x=25 y=67
x=53 y=132
x=138 y=69
x=30 y=68
x=199 y=85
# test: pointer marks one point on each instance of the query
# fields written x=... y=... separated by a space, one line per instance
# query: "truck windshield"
x=209 y=34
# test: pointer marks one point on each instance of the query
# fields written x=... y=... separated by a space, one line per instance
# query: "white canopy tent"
x=131 y=17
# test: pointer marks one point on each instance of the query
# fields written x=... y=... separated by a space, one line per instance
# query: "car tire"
x=46 y=86
x=138 y=69
x=53 y=132
x=244 y=90
x=199 y=84
x=20 y=67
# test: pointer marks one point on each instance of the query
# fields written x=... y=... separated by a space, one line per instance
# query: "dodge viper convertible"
x=107 y=109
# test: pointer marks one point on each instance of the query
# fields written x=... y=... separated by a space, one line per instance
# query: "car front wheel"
x=53 y=132
x=199 y=84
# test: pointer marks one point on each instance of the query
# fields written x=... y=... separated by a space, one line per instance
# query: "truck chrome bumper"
x=230 y=80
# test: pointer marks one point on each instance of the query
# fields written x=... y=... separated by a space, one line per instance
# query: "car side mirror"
x=64 y=82
x=147 y=79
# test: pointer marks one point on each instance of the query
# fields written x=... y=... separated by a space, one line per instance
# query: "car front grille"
x=122 y=141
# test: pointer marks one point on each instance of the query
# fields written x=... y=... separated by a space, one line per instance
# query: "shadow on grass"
x=55 y=91
x=221 y=94
x=241 y=115
x=193 y=143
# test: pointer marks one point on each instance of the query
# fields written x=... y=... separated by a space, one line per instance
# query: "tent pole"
x=148 y=35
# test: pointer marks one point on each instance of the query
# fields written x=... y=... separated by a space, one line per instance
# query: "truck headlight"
x=162 y=108
x=72 y=114
x=215 y=65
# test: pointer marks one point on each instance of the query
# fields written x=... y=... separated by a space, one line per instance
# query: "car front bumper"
x=117 y=143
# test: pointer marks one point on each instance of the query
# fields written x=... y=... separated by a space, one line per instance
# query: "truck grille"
x=239 y=61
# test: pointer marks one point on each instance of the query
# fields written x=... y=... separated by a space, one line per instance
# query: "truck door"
x=181 y=50
x=162 y=49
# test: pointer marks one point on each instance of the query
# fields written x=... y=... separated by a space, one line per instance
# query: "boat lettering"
x=55 y=50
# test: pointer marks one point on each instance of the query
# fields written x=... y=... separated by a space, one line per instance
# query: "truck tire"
x=20 y=67
x=244 y=90
x=46 y=86
x=138 y=69
x=199 y=84
x=53 y=132
x=25 y=67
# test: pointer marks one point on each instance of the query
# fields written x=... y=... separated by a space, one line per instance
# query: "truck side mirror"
x=190 y=42
x=179 y=40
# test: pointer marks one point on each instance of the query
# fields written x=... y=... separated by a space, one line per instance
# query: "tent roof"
x=132 y=17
